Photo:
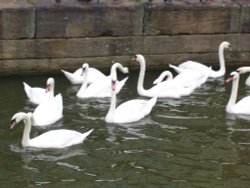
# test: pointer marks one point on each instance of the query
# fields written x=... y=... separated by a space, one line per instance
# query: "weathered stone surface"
x=46 y=36
x=118 y=46
x=88 y=22
x=17 y=23
x=245 y=20
x=24 y=66
x=162 y=20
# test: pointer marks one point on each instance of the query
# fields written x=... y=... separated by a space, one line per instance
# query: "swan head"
x=16 y=118
x=233 y=76
x=138 y=57
x=243 y=70
x=85 y=68
x=49 y=84
x=226 y=44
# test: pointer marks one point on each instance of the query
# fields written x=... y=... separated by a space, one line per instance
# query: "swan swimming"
x=242 y=106
x=203 y=68
x=77 y=77
x=52 y=139
x=161 y=90
x=129 y=111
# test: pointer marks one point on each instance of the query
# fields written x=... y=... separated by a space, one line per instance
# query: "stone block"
x=167 y=20
x=245 y=19
x=90 y=21
x=17 y=23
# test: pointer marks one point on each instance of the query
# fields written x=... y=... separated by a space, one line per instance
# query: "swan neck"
x=112 y=104
x=26 y=132
x=222 y=60
x=234 y=92
x=140 y=88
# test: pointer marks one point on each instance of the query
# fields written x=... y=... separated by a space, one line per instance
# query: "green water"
x=187 y=142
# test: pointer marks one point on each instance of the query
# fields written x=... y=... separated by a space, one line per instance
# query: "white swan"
x=100 y=88
x=160 y=90
x=242 y=106
x=78 y=76
x=37 y=95
x=202 y=68
x=52 y=139
x=186 y=79
x=243 y=70
x=130 y=111
x=49 y=111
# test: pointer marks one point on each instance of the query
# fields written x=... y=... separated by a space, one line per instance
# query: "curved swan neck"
x=164 y=74
x=51 y=91
x=119 y=66
x=140 y=82
x=222 y=69
x=27 y=129
x=234 y=92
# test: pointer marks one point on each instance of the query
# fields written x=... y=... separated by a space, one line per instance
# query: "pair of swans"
x=183 y=85
x=129 y=111
x=52 y=139
x=191 y=65
x=100 y=88
x=77 y=77
x=242 y=106
x=50 y=108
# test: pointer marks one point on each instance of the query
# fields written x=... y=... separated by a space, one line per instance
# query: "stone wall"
x=47 y=38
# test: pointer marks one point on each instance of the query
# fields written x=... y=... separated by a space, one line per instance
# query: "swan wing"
x=133 y=110
x=247 y=82
x=194 y=66
x=74 y=78
x=59 y=139
x=242 y=106
x=94 y=75
x=35 y=95
x=49 y=111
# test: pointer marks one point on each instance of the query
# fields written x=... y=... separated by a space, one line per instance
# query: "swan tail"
x=27 y=89
x=84 y=135
x=68 y=75
x=150 y=105
x=176 y=68
x=121 y=84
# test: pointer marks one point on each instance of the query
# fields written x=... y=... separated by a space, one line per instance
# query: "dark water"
x=187 y=142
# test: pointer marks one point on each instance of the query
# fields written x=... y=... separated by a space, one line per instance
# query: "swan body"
x=130 y=111
x=243 y=70
x=161 y=90
x=100 y=88
x=190 y=78
x=49 y=111
x=242 y=106
x=78 y=76
x=52 y=139
x=37 y=95
x=202 y=68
